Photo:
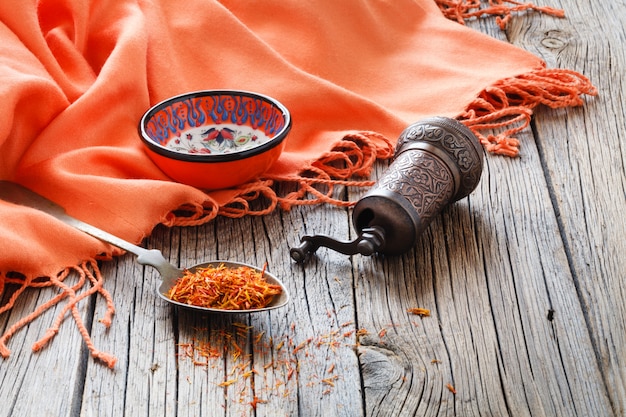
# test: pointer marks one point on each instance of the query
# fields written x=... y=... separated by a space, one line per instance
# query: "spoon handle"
x=15 y=193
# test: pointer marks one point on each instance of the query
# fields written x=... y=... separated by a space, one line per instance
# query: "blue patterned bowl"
x=216 y=138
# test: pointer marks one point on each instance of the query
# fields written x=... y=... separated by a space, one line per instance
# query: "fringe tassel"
x=461 y=10
x=71 y=293
x=509 y=104
x=352 y=156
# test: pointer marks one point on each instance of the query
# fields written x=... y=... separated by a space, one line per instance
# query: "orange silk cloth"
x=77 y=75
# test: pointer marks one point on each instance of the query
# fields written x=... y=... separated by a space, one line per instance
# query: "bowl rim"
x=209 y=158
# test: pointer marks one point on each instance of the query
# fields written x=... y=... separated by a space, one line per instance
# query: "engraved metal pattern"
x=456 y=140
x=423 y=179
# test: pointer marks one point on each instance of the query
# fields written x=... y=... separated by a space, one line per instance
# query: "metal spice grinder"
x=437 y=162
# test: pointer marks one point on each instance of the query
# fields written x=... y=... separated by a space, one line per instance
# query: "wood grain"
x=28 y=379
x=583 y=158
x=524 y=280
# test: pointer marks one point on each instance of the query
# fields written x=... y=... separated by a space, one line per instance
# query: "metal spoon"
x=17 y=194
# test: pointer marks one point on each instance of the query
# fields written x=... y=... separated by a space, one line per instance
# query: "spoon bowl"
x=278 y=301
x=15 y=193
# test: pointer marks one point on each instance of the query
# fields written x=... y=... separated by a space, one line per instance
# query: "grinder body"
x=437 y=162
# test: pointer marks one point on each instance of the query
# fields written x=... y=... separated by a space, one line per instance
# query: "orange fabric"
x=76 y=76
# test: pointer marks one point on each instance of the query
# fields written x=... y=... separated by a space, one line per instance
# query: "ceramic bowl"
x=216 y=138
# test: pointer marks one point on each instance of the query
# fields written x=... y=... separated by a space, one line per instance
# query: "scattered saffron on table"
x=255 y=401
x=362 y=332
x=424 y=312
x=330 y=381
x=224 y=288
x=236 y=348
x=227 y=383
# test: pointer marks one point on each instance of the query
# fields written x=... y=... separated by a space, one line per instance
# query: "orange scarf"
x=78 y=74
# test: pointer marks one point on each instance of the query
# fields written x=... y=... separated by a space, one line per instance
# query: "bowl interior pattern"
x=215 y=123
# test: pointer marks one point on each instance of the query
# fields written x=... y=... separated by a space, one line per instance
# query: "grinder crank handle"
x=367 y=243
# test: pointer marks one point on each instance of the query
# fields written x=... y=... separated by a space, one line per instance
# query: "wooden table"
x=524 y=280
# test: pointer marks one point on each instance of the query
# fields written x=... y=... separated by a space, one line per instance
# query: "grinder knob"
x=437 y=162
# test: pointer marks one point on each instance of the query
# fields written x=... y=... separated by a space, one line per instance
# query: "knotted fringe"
x=72 y=296
x=352 y=156
x=460 y=10
x=509 y=105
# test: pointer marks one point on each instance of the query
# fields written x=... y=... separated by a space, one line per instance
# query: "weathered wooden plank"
x=491 y=268
x=142 y=336
x=583 y=152
x=523 y=279
x=558 y=348
x=150 y=378
x=42 y=383
x=286 y=354
x=321 y=303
